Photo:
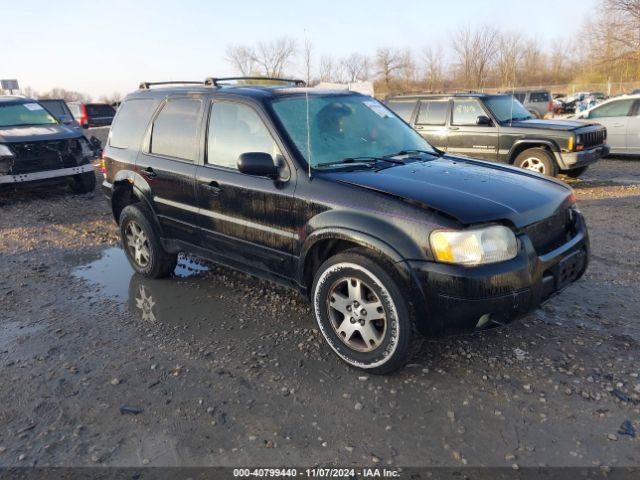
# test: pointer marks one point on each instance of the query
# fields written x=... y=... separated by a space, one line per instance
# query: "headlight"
x=5 y=152
x=474 y=247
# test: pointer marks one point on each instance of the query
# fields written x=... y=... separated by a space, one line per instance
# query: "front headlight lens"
x=474 y=247
x=5 y=152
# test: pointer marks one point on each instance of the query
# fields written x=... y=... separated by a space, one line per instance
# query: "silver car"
x=621 y=116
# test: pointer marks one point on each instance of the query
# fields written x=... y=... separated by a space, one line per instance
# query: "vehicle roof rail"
x=148 y=85
x=218 y=81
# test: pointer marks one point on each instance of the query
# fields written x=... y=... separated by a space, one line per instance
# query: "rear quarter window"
x=540 y=97
x=404 y=109
x=100 y=110
x=131 y=122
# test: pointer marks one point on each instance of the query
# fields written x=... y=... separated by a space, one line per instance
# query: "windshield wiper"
x=364 y=159
x=411 y=152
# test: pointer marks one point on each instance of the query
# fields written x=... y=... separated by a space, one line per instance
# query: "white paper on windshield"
x=33 y=106
x=377 y=108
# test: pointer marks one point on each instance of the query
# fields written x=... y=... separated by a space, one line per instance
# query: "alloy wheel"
x=535 y=164
x=357 y=315
x=138 y=244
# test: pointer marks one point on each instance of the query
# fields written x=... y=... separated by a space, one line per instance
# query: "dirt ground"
x=211 y=367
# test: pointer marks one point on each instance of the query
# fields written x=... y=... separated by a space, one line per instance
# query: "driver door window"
x=235 y=129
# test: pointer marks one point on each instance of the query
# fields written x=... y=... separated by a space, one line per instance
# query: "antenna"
x=513 y=95
x=306 y=96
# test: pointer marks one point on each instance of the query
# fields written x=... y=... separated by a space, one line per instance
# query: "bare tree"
x=475 y=50
x=356 y=67
x=307 y=53
x=331 y=70
x=433 y=67
x=267 y=58
x=241 y=58
x=508 y=57
x=114 y=98
x=389 y=62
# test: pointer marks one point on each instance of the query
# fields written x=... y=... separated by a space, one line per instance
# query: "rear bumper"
x=570 y=160
x=454 y=298
x=47 y=174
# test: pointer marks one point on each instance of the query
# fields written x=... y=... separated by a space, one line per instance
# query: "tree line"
x=606 y=49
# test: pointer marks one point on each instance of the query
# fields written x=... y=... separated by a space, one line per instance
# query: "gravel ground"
x=101 y=367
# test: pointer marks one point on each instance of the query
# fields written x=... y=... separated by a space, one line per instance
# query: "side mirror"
x=259 y=164
x=85 y=126
x=483 y=120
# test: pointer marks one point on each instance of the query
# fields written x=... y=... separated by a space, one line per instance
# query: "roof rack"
x=216 y=82
x=147 y=85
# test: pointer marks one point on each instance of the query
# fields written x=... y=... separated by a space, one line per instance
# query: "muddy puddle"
x=199 y=300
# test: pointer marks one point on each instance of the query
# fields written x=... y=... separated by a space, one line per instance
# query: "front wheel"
x=362 y=313
x=537 y=160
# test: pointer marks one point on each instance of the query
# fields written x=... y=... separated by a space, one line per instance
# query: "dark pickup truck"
x=500 y=129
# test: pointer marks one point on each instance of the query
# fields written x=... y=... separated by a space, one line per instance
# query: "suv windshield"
x=506 y=108
x=18 y=114
x=346 y=127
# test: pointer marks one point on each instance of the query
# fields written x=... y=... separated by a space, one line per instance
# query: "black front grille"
x=592 y=138
x=34 y=157
x=552 y=232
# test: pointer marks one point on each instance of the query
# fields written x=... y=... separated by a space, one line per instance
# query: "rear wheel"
x=362 y=313
x=537 y=160
x=141 y=243
x=83 y=182
x=575 y=172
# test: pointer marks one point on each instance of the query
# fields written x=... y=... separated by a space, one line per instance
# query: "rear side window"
x=404 y=109
x=540 y=97
x=130 y=124
x=75 y=109
x=175 y=130
x=619 y=108
x=433 y=112
x=97 y=110
x=465 y=111
x=235 y=129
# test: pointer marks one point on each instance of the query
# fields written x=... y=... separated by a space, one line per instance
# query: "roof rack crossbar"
x=213 y=81
x=147 y=85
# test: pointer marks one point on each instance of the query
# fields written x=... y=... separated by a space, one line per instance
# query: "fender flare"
x=126 y=179
x=344 y=233
x=553 y=146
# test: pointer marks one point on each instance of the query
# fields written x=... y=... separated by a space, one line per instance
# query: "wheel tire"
x=83 y=182
x=144 y=252
x=575 y=172
x=397 y=341
x=538 y=160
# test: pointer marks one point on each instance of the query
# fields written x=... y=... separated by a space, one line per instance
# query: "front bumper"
x=570 y=160
x=453 y=298
x=45 y=175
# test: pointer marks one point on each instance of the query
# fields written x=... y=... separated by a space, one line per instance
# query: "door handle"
x=213 y=188
x=149 y=172
x=618 y=124
x=454 y=128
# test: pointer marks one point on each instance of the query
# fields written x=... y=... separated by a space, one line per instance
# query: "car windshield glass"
x=24 y=114
x=345 y=127
x=506 y=108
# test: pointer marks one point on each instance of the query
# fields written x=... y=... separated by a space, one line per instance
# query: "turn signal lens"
x=570 y=144
x=474 y=247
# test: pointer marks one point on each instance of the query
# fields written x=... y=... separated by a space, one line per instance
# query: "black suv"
x=35 y=148
x=500 y=129
x=334 y=195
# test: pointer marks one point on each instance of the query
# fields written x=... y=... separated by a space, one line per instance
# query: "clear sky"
x=99 y=47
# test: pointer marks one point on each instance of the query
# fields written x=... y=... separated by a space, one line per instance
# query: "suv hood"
x=555 y=124
x=469 y=190
x=35 y=133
